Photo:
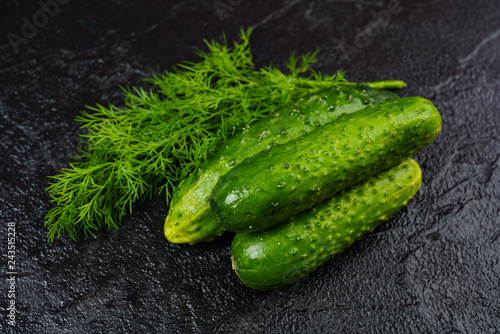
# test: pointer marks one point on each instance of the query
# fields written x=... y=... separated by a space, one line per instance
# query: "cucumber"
x=276 y=184
x=288 y=252
x=190 y=220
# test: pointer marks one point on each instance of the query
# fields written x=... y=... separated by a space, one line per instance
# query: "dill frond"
x=136 y=151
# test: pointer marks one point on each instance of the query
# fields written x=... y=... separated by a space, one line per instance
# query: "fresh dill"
x=135 y=151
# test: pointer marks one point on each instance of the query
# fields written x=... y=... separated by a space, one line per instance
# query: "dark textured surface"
x=433 y=268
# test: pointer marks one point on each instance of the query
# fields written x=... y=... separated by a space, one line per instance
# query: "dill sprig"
x=135 y=151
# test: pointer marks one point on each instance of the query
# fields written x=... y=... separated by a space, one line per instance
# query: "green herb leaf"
x=135 y=151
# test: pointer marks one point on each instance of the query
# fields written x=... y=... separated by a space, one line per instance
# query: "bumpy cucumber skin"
x=288 y=252
x=276 y=184
x=190 y=219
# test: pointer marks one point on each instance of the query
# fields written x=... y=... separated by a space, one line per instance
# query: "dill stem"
x=387 y=84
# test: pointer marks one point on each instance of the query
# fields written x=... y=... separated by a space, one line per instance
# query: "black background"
x=433 y=268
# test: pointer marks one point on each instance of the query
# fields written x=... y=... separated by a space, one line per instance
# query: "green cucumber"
x=276 y=184
x=288 y=252
x=190 y=220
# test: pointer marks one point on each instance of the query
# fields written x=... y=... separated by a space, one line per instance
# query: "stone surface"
x=433 y=268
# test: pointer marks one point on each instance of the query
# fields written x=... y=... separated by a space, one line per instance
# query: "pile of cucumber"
x=306 y=182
